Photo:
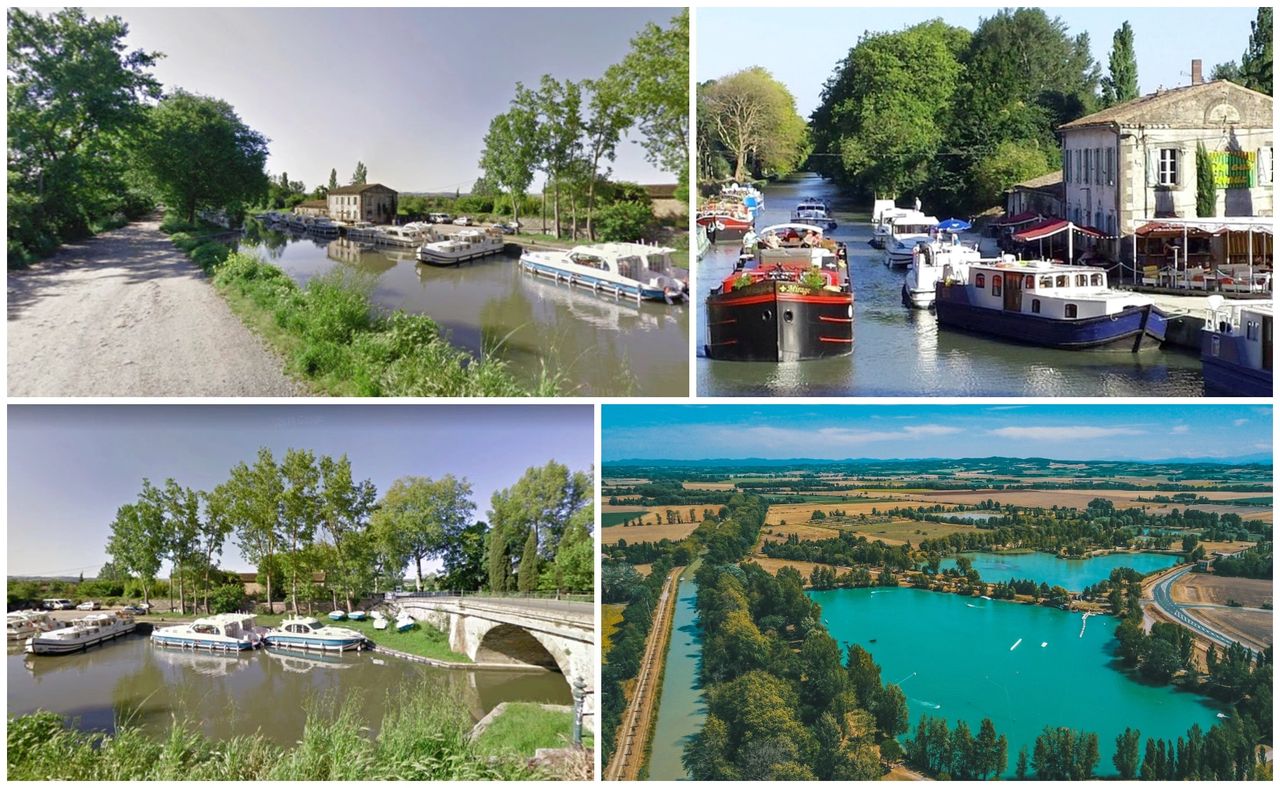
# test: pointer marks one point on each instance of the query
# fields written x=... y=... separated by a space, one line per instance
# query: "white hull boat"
x=223 y=632
x=83 y=633
x=629 y=270
x=462 y=246
x=311 y=634
x=932 y=263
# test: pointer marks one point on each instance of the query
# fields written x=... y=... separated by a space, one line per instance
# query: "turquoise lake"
x=1023 y=666
x=1073 y=575
x=681 y=708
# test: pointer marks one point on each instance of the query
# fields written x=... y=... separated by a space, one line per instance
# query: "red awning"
x=1019 y=218
x=1164 y=230
x=1051 y=227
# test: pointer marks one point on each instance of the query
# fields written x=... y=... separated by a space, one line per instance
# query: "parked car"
x=509 y=227
x=439 y=218
x=137 y=610
x=58 y=604
x=89 y=605
x=462 y=220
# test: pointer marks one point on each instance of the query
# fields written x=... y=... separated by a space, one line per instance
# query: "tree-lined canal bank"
x=1025 y=667
x=681 y=708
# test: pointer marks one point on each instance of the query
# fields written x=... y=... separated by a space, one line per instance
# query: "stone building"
x=1137 y=160
x=312 y=208
x=1042 y=195
x=363 y=202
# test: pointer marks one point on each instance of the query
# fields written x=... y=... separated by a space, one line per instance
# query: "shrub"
x=175 y=224
x=227 y=598
x=210 y=254
x=623 y=221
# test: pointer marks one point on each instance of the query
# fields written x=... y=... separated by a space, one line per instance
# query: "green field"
x=618 y=518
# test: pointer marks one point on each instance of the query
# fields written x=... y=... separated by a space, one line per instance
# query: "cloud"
x=1180 y=429
x=1046 y=433
x=1240 y=422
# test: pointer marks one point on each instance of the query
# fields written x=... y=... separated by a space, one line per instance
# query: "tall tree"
x=657 y=71
x=75 y=95
x=527 y=573
x=361 y=175
x=181 y=507
x=136 y=542
x=299 y=516
x=464 y=560
x=754 y=117
x=213 y=530
x=333 y=179
x=1126 y=755
x=253 y=508
x=424 y=516
x=1121 y=82
x=199 y=154
x=1255 y=64
x=560 y=112
x=512 y=151
x=609 y=116
x=1206 y=190
x=345 y=506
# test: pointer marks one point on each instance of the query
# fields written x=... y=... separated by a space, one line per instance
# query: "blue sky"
x=1071 y=432
x=1165 y=39
x=409 y=91
x=71 y=467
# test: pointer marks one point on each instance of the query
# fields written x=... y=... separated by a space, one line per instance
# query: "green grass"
x=423 y=641
x=423 y=736
x=618 y=518
x=526 y=727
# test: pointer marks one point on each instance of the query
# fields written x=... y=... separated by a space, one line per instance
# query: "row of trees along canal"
x=782 y=704
x=95 y=140
x=936 y=110
x=316 y=533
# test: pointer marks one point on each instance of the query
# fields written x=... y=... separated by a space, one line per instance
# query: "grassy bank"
x=422 y=737
x=334 y=337
x=526 y=727
x=423 y=641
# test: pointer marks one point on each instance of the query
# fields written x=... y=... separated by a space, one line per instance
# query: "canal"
x=266 y=691
x=1023 y=666
x=902 y=352
x=681 y=708
x=1071 y=574
x=597 y=346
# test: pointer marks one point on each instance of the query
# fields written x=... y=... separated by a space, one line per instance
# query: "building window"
x=1069 y=310
x=1167 y=173
x=1035 y=306
x=1079 y=162
x=980 y=281
x=1111 y=166
x=995 y=285
x=1087 y=157
x=1066 y=165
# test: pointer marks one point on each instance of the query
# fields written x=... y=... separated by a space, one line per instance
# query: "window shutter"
x=1153 y=167
x=1264 y=166
x=1066 y=165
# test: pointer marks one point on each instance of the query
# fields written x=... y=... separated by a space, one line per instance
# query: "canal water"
x=264 y=691
x=1071 y=574
x=681 y=708
x=1023 y=666
x=902 y=352
x=598 y=346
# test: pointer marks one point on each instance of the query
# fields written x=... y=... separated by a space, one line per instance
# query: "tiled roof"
x=358 y=188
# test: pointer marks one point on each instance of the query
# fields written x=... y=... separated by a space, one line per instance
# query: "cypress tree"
x=527 y=574
x=1255 y=66
x=1206 y=192
x=333 y=179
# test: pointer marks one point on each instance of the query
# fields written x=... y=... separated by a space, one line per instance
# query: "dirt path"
x=631 y=742
x=126 y=314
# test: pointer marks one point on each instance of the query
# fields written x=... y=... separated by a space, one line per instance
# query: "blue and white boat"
x=1045 y=303
x=337 y=615
x=357 y=615
x=1236 y=347
x=310 y=633
x=933 y=262
x=404 y=622
x=815 y=211
x=223 y=632
x=631 y=270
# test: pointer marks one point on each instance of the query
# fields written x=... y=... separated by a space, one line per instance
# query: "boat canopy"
x=1051 y=227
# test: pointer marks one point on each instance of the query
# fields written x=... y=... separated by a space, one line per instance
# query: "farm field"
x=1201 y=589
x=610 y=620
x=620 y=515
x=796 y=513
x=1263 y=513
x=1072 y=498
x=805 y=568
x=1252 y=627
x=807 y=532
x=902 y=531
x=646 y=533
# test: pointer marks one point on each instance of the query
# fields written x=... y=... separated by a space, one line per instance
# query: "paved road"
x=126 y=314
x=1161 y=592
x=631 y=737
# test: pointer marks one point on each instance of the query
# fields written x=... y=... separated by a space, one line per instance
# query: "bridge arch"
x=508 y=643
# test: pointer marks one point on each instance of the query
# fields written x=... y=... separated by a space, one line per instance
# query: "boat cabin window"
x=1069 y=310
x=589 y=261
x=1029 y=282
x=1062 y=280
x=1081 y=280
x=995 y=285
x=1251 y=330
x=1095 y=280
x=205 y=629
x=1046 y=281
x=981 y=281
x=1035 y=306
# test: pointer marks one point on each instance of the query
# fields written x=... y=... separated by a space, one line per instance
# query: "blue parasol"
x=953 y=225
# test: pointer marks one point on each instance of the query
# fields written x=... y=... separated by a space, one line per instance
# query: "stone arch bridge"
x=553 y=634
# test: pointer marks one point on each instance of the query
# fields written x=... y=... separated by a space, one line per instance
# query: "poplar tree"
x=333 y=179
x=1255 y=66
x=1121 y=84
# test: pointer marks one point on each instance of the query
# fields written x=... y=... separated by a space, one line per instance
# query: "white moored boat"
x=83 y=633
x=399 y=236
x=815 y=211
x=26 y=623
x=309 y=633
x=904 y=233
x=223 y=632
x=932 y=263
x=462 y=246
x=637 y=271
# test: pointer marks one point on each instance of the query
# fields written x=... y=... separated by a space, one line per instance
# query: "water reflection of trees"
x=264 y=239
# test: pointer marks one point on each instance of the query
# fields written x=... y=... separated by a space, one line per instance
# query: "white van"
x=58 y=604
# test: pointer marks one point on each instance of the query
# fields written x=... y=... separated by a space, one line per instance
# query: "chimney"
x=1197 y=72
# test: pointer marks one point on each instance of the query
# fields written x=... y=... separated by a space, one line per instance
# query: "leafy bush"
x=210 y=254
x=227 y=598
x=623 y=221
